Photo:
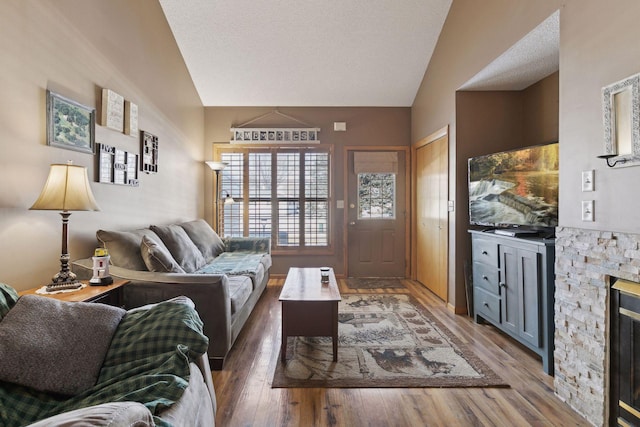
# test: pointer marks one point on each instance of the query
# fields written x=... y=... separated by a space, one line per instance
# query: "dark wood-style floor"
x=245 y=396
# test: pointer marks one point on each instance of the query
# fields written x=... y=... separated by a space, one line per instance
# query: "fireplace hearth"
x=587 y=261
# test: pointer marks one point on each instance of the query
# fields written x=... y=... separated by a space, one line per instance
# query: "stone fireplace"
x=585 y=262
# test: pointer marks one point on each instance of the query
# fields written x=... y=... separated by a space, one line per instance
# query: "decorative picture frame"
x=112 y=110
x=115 y=166
x=70 y=125
x=296 y=135
x=621 y=114
x=148 y=152
x=130 y=118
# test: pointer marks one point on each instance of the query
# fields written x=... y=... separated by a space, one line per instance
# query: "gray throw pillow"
x=157 y=257
x=205 y=238
x=124 y=247
x=181 y=247
x=56 y=346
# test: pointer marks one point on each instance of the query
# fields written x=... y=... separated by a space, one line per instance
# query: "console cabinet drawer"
x=485 y=251
x=487 y=277
x=487 y=305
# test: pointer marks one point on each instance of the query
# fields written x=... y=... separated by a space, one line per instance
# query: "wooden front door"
x=431 y=215
x=376 y=221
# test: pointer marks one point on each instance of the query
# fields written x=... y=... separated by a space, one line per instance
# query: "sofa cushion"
x=157 y=257
x=240 y=289
x=124 y=247
x=205 y=238
x=181 y=246
x=56 y=346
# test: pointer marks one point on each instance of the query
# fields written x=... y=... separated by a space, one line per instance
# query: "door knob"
x=352 y=223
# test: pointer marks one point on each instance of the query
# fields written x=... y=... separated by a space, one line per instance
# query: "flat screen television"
x=517 y=188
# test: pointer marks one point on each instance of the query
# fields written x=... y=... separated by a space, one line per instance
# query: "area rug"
x=384 y=340
x=373 y=283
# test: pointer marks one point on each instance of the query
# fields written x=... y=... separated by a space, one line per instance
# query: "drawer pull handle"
x=486 y=304
x=485 y=253
x=485 y=278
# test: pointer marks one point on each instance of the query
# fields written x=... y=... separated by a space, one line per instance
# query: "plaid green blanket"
x=147 y=362
x=237 y=263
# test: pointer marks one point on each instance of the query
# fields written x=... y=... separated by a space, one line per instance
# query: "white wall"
x=75 y=48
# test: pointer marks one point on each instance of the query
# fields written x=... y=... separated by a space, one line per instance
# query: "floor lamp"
x=217 y=167
x=67 y=189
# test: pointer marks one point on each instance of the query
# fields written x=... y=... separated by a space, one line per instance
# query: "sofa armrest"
x=106 y=414
x=209 y=293
x=253 y=244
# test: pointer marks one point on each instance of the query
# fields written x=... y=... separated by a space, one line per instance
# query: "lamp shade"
x=216 y=166
x=67 y=189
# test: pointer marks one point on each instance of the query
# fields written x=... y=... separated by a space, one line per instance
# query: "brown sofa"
x=224 y=278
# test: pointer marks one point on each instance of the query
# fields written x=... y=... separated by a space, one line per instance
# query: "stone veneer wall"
x=585 y=260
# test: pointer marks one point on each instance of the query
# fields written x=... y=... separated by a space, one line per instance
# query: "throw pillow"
x=124 y=247
x=157 y=257
x=56 y=346
x=203 y=236
x=181 y=247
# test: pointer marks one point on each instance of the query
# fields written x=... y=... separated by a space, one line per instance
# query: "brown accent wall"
x=540 y=105
x=76 y=48
x=365 y=127
x=492 y=121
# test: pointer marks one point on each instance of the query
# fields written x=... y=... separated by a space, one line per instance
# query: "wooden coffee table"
x=309 y=307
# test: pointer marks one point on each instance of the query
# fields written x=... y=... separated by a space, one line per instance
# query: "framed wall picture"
x=148 y=152
x=112 y=110
x=115 y=166
x=70 y=125
x=130 y=118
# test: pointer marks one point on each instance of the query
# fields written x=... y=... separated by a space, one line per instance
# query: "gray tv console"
x=513 y=288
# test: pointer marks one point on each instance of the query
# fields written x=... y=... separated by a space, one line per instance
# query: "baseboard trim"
x=456 y=310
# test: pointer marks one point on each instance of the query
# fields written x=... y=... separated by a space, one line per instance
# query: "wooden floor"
x=245 y=396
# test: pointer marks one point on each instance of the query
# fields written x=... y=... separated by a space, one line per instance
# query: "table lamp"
x=67 y=189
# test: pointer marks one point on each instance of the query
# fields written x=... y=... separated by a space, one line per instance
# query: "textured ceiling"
x=306 y=53
x=333 y=52
x=532 y=58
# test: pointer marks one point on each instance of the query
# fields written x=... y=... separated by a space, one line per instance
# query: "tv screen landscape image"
x=515 y=188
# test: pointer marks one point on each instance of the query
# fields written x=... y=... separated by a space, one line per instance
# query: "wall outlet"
x=587 y=210
x=587 y=180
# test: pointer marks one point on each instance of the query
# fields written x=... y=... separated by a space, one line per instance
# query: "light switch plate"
x=587 y=210
x=587 y=180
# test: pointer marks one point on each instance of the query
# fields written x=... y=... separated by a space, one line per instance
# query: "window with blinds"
x=281 y=193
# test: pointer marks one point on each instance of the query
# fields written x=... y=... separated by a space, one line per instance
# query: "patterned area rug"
x=385 y=340
x=373 y=283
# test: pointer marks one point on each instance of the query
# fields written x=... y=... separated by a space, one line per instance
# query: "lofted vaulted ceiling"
x=332 y=52
x=306 y=53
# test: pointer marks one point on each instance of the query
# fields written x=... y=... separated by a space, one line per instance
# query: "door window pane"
x=376 y=196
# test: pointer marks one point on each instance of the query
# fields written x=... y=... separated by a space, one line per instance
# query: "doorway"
x=431 y=217
x=376 y=223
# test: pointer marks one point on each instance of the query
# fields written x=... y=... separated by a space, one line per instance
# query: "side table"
x=109 y=294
